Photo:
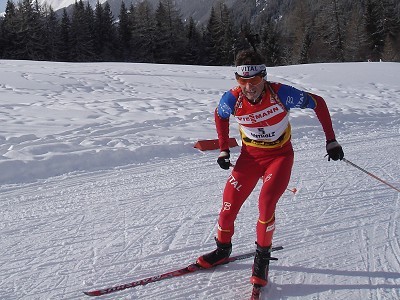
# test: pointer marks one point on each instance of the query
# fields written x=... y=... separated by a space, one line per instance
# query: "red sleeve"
x=222 y=126
x=322 y=112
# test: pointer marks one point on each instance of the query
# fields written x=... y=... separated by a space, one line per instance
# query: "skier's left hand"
x=334 y=150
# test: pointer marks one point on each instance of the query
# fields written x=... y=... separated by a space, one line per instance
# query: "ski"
x=175 y=273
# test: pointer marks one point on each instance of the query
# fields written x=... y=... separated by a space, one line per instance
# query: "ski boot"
x=217 y=257
x=261 y=266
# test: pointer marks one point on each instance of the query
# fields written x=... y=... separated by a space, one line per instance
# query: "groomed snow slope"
x=101 y=185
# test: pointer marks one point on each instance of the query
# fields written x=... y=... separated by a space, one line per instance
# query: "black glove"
x=334 y=150
x=223 y=159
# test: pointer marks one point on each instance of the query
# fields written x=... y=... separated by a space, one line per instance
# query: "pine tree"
x=163 y=42
x=125 y=32
x=390 y=53
x=245 y=37
x=299 y=24
x=332 y=29
x=29 y=32
x=306 y=44
x=375 y=28
x=144 y=33
x=170 y=33
x=211 y=39
x=227 y=41
x=194 y=46
x=81 y=33
x=219 y=37
x=65 y=42
x=104 y=33
x=270 y=45
x=356 y=37
x=9 y=30
x=392 y=17
x=110 y=50
x=89 y=32
x=98 y=27
x=52 y=33
x=391 y=28
x=288 y=32
x=2 y=42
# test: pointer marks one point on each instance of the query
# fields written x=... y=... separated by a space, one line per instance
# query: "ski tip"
x=92 y=293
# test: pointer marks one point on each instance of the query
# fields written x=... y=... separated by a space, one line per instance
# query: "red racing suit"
x=266 y=151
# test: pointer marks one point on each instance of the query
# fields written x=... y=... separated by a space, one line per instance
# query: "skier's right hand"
x=223 y=159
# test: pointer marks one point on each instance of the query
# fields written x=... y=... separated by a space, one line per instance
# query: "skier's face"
x=251 y=87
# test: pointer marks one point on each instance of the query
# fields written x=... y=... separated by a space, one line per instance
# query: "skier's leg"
x=275 y=181
x=240 y=184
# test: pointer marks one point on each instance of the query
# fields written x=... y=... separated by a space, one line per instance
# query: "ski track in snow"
x=101 y=184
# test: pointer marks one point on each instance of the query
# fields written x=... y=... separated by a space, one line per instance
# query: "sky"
x=100 y=184
x=3 y=5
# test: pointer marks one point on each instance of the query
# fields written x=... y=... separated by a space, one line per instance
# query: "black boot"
x=217 y=257
x=261 y=266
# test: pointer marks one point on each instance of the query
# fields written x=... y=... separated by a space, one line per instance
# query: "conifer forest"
x=285 y=32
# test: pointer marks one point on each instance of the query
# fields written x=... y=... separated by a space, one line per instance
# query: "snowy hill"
x=101 y=185
x=198 y=10
x=59 y=4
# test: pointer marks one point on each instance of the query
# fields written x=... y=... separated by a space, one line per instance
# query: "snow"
x=59 y=4
x=101 y=185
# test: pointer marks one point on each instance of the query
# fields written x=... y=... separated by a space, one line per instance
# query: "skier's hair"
x=249 y=57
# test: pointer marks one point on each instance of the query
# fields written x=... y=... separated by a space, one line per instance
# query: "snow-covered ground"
x=101 y=185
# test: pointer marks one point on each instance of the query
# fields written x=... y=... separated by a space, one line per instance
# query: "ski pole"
x=370 y=174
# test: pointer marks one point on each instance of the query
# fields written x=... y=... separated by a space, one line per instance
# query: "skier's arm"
x=222 y=113
x=322 y=112
x=295 y=98
x=222 y=126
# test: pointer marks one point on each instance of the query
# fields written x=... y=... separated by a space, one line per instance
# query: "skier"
x=262 y=109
